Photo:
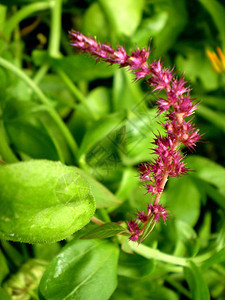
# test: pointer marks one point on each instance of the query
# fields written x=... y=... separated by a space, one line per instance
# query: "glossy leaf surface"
x=42 y=201
x=83 y=270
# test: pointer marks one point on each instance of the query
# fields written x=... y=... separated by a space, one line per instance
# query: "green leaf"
x=104 y=231
x=124 y=16
x=42 y=201
x=183 y=199
x=100 y=129
x=103 y=196
x=82 y=67
x=126 y=94
x=196 y=282
x=4 y=295
x=197 y=66
x=176 y=21
x=99 y=102
x=83 y=270
x=188 y=237
x=208 y=171
x=94 y=22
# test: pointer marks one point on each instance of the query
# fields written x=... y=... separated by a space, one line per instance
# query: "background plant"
x=60 y=106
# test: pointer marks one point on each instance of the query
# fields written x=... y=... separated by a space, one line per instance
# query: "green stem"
x=22 y=14
x=157 y=255
x=75 y=91
x=14 y=69
x=55 y=33
x=43 y=99
x=42 y=71
x=170 y=259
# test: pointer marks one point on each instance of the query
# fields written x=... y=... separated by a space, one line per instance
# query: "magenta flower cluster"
x=177 y=105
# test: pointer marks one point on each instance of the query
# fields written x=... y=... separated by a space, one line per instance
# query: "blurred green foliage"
x=59 y=105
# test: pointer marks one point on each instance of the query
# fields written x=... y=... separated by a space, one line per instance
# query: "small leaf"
x=104 y=231
x=83 y=270
x=42 y=201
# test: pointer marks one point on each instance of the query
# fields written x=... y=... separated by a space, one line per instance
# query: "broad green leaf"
x=82 y=67
x=183 y=199
x=134 y=266
x=103 y=196
x=94 y=23
x=83 y=270
x=42 y=201
x=197 y=66
x=104 y=231
x=196 y=282
x=175 y=23
x=4 y=295
x=207 y=170
x=31 y=140
x=188 y=237
x=128 y=183
x=124 y=16
x=99 y=102
x=126 y=94
x=149 y=28
x=139 y=132
x=217 y=12
x=100 y=130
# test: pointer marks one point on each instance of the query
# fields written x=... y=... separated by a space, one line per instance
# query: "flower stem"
x=55 y=33
x=156 y=254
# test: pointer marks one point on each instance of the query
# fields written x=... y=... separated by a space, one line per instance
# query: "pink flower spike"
x=142 y=216
x=158 y=211
x=176 y=104
x=134 y=229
